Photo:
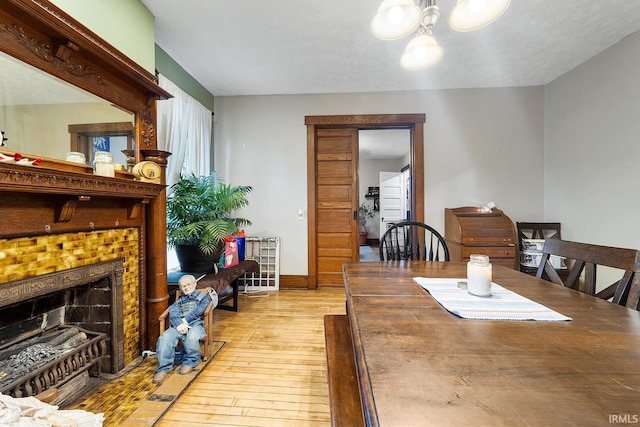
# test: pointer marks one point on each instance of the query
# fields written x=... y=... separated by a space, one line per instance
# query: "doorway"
x=332 y=143
x=381 y=153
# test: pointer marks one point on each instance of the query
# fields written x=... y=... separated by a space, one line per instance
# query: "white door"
x=392 y=199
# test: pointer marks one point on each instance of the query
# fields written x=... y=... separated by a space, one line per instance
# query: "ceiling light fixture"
x=396 y=19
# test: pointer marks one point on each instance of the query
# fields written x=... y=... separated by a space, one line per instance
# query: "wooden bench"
x=224 y=282
x=342 y=374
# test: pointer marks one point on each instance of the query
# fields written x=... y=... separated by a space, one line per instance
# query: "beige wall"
x=481 y=145
x=44 y=129
x=592 y=148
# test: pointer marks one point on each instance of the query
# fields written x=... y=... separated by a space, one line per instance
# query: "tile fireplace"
x=87 y=300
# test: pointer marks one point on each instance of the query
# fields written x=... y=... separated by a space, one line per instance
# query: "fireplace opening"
x=56 y=326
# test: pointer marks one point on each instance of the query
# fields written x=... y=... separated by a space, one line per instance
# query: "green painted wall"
x=126 y=24
x=174 y=72
x=129 y=26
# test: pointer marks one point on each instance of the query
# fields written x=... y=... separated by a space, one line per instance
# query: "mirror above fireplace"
x=59 y=61
x=36 y=110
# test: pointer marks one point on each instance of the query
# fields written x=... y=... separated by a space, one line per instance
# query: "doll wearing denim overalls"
x=186 y=318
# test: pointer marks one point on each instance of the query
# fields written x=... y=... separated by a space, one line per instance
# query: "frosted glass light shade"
x=469 y=15
x=421 y=52
x=396 y=19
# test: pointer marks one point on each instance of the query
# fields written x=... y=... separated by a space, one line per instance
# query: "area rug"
x=367 y=254
x=119 y=398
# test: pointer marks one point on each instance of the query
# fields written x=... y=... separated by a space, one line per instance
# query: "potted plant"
x=200 y=215
x=364 y=213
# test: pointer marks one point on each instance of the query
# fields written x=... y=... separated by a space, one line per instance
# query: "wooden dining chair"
x=536 y=230
x=633 y=298
x=411 y=240
x=586 y=258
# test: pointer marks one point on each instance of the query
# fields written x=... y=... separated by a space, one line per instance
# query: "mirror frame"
x=42 y=35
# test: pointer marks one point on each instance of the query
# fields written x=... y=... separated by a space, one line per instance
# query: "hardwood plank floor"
x=272 y=371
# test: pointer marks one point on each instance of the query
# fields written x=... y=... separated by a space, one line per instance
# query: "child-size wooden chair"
x=206 y=343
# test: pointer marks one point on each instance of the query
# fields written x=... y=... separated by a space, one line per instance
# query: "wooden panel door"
x=336 y=201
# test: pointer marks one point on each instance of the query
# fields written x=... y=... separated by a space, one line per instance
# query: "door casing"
x=413 y=122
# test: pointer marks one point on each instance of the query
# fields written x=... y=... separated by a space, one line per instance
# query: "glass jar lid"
x=103 y=156
x=75 y=157
x=479 y=259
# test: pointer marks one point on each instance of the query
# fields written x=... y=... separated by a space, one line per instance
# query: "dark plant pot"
x=191 y=258
x=362 y=237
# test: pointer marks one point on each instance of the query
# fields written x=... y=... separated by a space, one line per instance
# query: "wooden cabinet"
x=470 y=230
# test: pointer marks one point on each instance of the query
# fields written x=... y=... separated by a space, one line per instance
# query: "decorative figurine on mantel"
x=2 y=144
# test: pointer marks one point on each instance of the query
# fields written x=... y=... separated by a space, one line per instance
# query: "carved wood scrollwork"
x=134 y=210
x=148 y=131
x=65 y=212
x=62 y=60
x=19 y=178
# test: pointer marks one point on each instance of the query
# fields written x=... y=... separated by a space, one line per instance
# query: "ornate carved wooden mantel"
x=55 y=196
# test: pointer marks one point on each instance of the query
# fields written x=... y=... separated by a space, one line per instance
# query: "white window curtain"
x=184 y=129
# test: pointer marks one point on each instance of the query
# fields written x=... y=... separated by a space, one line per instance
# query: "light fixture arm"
x=430 y=15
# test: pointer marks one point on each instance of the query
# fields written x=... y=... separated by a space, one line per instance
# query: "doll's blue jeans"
x=167 y=348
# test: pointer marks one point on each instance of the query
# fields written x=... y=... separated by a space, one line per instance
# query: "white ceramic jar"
x=479 y=275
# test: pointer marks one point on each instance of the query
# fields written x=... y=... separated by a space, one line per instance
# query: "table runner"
x=503 y=304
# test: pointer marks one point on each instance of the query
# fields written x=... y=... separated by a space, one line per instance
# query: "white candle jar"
x=76 y=157
x=479 y=275
x=103 y=164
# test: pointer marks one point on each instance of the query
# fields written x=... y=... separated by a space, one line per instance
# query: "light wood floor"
x=271 y=372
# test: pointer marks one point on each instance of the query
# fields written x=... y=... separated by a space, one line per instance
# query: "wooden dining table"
x=420 y=365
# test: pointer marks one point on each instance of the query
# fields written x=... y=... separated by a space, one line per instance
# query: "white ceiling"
x=297 y=47
x=383 y=144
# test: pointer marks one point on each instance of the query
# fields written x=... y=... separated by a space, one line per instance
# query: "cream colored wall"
x=125 y=24
x=592 y=148
x=47 y=126
x=481 y=145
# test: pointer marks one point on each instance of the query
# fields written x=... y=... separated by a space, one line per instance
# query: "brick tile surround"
x=26 y=257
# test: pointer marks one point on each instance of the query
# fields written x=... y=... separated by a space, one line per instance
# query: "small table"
x=224 y=282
